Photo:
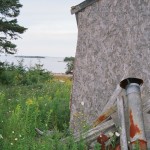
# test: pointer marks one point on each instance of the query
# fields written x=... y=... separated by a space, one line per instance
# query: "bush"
x=37 y=101
x=11 y=74
x=66 y=59
x=26 y=107
x=70 y=64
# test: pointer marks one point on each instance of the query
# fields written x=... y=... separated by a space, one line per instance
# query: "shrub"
x=26 y=107
x=66 y=59
x=70 y=64
x=11 y=74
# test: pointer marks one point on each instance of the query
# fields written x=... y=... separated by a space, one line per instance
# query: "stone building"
x=113 y=44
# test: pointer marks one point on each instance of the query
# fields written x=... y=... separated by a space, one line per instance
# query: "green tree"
x=9 y=27
x=66 y=59
x=70 y=64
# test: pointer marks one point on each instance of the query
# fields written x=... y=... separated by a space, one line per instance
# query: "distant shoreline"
x=31 y=56
x=52 y=64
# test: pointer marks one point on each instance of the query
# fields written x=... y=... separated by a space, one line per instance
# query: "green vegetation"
x=9 y=28
x=19 y=75
x=70 y=64
x=66 y=59
x=30 y=99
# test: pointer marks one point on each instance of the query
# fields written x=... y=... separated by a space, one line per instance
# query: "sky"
x=52 y=30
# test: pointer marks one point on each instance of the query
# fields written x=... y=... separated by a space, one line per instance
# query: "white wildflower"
x=13 y=131
x=117 y=134
x=82 y=103
x=16 y=139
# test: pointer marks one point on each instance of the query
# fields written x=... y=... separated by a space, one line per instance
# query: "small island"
x=31 y=56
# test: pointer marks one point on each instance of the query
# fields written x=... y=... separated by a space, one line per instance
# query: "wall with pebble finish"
x=113 y=42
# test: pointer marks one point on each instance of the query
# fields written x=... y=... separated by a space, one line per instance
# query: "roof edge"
x=84 y=4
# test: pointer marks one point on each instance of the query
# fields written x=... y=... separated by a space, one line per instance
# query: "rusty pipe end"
x=141 y=144
x=128 y=81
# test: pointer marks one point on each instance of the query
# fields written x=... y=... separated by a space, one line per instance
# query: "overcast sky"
x=52 y=30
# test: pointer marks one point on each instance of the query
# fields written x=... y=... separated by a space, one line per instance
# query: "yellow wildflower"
x=29 y=102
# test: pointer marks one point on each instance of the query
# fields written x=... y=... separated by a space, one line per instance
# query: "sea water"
x=52 y=64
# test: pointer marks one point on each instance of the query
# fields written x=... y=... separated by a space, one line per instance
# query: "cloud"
x=52 y=30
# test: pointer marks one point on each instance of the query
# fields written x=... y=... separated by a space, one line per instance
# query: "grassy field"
x=34 y=99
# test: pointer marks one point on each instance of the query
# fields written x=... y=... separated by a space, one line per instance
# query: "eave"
x=81 y=6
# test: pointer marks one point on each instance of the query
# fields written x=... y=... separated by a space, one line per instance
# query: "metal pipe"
x=121 y=117
x=136 y=123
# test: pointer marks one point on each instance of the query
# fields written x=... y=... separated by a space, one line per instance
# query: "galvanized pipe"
x=121 y=117
x=136 y=124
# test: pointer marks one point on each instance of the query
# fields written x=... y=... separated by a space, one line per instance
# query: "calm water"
x=53 y=64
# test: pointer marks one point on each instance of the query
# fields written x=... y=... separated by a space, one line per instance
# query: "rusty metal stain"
x=105 y=115
x=134 y=129
x=102 y=139
x=118 y=147
x=141 y=143
x=102 y=118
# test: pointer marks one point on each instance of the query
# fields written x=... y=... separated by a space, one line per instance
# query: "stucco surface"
x=113 y=43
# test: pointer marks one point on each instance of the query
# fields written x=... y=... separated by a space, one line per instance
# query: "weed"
x=32 y=99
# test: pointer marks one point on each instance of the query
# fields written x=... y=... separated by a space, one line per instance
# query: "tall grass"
x=26 y=104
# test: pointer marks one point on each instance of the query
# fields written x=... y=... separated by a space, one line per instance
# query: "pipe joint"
x=132 y=88
x=136 y=123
